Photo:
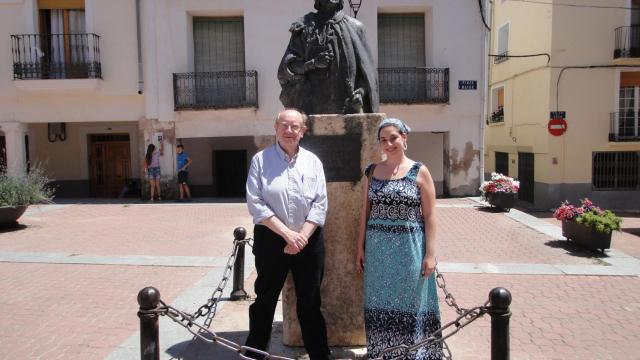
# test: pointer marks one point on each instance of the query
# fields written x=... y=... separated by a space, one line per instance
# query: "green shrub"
x=31 y=188
x=601 y=221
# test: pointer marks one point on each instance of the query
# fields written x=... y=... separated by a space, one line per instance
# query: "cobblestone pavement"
x=69 y=276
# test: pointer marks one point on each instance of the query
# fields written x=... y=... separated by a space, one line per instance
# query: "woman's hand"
x=360 y=261
x=428 y=266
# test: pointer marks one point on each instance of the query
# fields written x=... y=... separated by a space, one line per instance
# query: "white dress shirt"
x=292 y=189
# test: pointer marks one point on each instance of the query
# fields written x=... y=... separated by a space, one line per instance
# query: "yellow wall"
x=574 y=37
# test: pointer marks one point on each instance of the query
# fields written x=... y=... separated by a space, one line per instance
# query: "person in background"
x=152 y=168
x=183 y=163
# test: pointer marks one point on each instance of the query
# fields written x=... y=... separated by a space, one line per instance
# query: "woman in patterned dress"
x=397 y=248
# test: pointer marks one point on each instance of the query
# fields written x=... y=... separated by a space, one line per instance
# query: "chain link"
x=201 y=332
x=438 y=336
x=210 y=307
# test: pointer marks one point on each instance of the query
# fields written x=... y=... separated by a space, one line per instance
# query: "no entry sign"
x=557 y=126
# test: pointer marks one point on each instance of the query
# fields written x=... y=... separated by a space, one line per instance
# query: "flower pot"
x=586 y=236
x=10 y=214
x=502 y=200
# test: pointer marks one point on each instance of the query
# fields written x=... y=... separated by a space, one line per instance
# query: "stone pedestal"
x=345 y=144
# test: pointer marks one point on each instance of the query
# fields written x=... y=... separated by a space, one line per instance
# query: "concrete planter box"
x=9 y=215
x=504 y=201
x=586 y=236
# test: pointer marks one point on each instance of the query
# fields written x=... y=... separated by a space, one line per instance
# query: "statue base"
x=345 y=144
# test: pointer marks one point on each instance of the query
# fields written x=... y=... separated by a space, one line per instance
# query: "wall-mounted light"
x=57 y=131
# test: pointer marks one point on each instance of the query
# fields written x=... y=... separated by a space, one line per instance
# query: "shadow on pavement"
x=576 y=250
x=16 y=226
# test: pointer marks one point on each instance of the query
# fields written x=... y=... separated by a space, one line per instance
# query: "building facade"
x=83 y=94
x=582 y=65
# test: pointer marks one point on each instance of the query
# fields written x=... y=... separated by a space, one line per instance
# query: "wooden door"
x=109 y=164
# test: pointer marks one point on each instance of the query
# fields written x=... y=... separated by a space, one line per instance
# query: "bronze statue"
x=328 y=67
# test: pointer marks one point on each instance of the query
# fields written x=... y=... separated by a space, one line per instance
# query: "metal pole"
x=500 y=299
x=148 y=299
x=238 y=292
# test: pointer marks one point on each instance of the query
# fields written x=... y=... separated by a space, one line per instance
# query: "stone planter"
x=586 y=236
x=9 y=215
x=504 y=201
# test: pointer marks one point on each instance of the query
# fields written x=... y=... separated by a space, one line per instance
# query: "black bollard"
x=238 y=292
x=500 y=299
x=148 y=299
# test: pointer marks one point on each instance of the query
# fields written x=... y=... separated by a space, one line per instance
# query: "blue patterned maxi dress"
x=400 y=306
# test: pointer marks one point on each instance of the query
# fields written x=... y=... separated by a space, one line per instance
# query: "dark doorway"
x=526 y=176
x=3 y=153
x=109 y=164
x=502 y=163
x=230 y=172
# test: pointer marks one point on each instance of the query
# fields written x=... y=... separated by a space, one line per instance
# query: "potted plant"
x=500 y=191
x=587 y=225
x=17 y=192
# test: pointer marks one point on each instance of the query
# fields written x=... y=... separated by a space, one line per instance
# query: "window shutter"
x=218 y=44
x=401 y=40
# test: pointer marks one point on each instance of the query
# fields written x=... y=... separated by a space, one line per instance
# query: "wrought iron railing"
x=627 y=42
x=497 y=116
x=414 y=85
x=215 y=90
x=502 y=57
x=624 y=126
x=56 y=56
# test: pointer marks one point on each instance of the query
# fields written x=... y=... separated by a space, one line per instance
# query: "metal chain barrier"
x=210 y=307
x=208 y=310
x=201 y=332
x=465 y=317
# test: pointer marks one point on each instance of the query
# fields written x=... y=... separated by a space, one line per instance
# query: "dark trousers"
x=272 y=266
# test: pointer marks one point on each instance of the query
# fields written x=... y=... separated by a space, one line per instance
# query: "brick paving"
x=492 y=237
x=80 y=311
x=158 y=229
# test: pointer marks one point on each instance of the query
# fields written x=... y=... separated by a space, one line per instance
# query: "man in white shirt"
x=287 y=197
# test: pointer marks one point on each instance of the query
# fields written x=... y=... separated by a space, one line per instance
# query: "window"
x=401 y=40
x=402 y=74
x=63 y=42
x=624 y=123
x=497 y=105
x=616 y=170
x=503 y=44
x=502 y=163
x=218 y=44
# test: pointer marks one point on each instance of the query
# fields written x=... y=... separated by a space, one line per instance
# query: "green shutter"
x=401 y=40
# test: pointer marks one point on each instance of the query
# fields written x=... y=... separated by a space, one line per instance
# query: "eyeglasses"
x=292 y=127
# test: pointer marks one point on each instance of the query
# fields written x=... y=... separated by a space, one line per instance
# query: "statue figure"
x=327 y=67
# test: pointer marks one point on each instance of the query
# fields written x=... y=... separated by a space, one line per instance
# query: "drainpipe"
x=485 y=91
x=139 y=38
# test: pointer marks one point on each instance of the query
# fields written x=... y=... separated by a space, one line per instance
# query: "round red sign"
x=557 y=126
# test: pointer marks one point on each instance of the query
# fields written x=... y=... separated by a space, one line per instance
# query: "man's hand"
x=295 y=240
x=323 y=60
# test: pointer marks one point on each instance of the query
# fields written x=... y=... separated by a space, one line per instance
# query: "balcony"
x=624 y=126
x=497 y=116
x=627 y=42
x=56 y=56
x=414 y=85
x=500 y=58
x=215 y=90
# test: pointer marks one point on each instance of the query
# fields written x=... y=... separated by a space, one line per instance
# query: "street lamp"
x=355 y=6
